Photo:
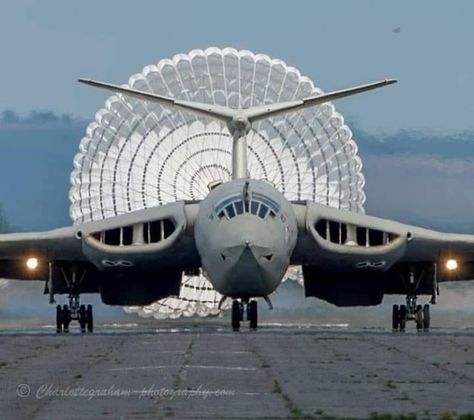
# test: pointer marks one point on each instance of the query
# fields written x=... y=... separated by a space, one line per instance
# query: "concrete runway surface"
x=191 y=369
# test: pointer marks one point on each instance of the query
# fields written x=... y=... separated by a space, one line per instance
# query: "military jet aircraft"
x=243 y=235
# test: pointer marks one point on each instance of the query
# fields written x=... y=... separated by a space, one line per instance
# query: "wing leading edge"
x=140 y=241
x=351 y=259
x=345 y=241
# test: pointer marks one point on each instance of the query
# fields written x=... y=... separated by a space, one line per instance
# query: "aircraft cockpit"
x=258 y=205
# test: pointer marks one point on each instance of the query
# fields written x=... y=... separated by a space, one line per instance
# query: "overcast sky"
x=46 y=45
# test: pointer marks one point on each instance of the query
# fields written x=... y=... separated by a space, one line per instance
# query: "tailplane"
x=239 y=120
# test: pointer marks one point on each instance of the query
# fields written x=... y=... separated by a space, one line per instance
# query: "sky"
x=46 y=45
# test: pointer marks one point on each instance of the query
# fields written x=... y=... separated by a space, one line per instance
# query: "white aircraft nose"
x=260 y=254
x=244 y=274
x=245 y=255
x=247 y=260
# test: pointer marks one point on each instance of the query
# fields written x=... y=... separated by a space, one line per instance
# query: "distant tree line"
x=38 y=118
x=4 y=227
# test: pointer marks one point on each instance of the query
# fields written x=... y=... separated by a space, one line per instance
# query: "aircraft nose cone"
x=245 y=250
x=247 y=257
x=244 y=273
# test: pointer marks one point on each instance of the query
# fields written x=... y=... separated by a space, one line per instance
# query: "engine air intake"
x=138 y=234
x=352 y=235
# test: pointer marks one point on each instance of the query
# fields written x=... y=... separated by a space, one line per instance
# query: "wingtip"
x=391 y=81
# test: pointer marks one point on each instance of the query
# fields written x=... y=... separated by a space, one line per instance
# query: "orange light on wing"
x=32 y=263
x=451 y=265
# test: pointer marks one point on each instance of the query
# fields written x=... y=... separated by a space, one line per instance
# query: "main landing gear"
x=411 y=312
x=251 y=314
x=74 y=311
x=68 y=279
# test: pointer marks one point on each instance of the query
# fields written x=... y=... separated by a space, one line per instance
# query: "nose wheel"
x=252 y=314
x=236 y=315
x=238 y=312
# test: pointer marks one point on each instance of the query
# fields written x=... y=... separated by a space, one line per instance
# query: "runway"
x=187 y=370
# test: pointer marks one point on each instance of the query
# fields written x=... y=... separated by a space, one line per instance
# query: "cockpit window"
x=239 y=206
x=267 y=200
x=259 y=205
x=230 y=211
x=227 y=200
x=254 y=207
x=262 y=212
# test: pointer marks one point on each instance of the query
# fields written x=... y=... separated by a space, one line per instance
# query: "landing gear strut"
x=411 y=312
x=238 y=314
x=416 y=283
x=74 y=311
x=70 y=278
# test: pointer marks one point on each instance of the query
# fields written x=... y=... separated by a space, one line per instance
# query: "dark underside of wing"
x=133 y=259
x=351 y=259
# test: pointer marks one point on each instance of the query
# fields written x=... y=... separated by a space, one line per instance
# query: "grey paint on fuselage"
x=245 y=255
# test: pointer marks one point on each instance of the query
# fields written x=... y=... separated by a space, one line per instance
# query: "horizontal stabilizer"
x=226 y=114
x=271 y=110
x=207 y=110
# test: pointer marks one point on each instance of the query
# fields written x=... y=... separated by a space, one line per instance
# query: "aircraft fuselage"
x=245 y=233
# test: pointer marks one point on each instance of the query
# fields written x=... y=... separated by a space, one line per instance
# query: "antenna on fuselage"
x=239 y=121
x=246 y=196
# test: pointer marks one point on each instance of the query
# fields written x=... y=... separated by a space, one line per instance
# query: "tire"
x=236 y=315
x=402 y=319
x=59 y=319
x=66 y=318
x=395 y=317
x=253 y=314
x=90 y=319
x=419 y=317
x=82 y=318
x=426 y=317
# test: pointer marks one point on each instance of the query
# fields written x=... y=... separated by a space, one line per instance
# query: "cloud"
x=443 y=145
x=420 y=178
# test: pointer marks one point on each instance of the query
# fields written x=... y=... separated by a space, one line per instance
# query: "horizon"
x=411 y=177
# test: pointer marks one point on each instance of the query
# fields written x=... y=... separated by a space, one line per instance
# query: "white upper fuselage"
x=245 y=236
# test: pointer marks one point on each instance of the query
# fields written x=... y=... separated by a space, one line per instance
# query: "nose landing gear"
x=252 y=314
x=238 y=312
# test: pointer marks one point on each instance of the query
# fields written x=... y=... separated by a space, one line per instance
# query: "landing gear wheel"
x=82 y=318
x=426 y=317
x=419 y=318
x=59 y=319
x=395 y=317
x=236 y=315
x=402 y=319
x=89 y=319
x=253 y=314
x=66 y=318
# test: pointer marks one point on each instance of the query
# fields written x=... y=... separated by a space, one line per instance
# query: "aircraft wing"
x=346 y=248
x=17 y=248
x=138 y=242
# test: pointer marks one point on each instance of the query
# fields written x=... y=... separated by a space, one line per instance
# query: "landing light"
x=451 y=265
x=32 y=263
